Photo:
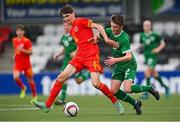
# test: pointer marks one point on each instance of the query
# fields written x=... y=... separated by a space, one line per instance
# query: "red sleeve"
x=85 y=22
x=28 y=44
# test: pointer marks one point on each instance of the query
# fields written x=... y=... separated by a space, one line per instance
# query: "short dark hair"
x=20 y=27
x=66 y=9
x=117 y=19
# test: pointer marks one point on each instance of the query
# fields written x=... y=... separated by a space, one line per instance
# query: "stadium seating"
x=46 y=45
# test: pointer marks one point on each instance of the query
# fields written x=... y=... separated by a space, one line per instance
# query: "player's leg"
x=115 y=88
x=62 y=98
x=82 y=76
x=16 y=76
x=159 y=79
x=148 y=79
x=129 y=87
x=29 y=74
x=68 y=72
x=105 y=90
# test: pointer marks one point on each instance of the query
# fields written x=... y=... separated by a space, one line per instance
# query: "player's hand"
x=55 y=56
x=113 y=43
x=93 y=40
x=155 y=51
x=110 y=61
x=20 y=47
x=73 y=54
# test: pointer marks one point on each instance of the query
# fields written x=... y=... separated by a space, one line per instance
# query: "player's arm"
x=60 y=53
x=104 y=35
x=160 y=47
x=126 y=51
x=73 y=53
x=95 y=39
x=26 y=51
x=26 y=48
x=111 y=60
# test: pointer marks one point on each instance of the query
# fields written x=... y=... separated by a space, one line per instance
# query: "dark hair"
x=20 y=27
x=66 y=9
x=117 y=19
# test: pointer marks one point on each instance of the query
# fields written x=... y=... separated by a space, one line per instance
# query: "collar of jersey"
x=147 y=34
x=118 y=34
x=67 y=34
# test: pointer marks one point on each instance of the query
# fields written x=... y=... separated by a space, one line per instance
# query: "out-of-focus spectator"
x=4 y=34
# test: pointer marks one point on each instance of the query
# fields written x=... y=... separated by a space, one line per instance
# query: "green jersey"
x=69 y=45
x=124 y=42
x=150 y=41
x=122 y=70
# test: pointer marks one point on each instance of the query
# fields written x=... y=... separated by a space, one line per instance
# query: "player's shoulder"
x=14 y=38
x=26 y=40
x=108 y=30
x=79 y=19
x=155 y=33
x=142 y=33
x=125 y=34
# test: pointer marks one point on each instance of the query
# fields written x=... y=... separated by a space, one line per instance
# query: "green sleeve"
x=158 y=37
x=125 y=45
x=61 y=42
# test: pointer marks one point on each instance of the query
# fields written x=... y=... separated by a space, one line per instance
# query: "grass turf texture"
x=92 y=108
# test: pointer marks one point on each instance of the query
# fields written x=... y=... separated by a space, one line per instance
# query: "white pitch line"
x=27 y=107
x=16 y=105
x=17 y=109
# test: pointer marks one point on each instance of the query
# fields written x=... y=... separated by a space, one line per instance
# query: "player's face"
x=147 y=26
x=115 y=28
x=19 y=32
x=67 y=27
x=68 y=17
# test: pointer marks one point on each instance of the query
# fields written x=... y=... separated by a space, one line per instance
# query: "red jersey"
x=81 y=32
x=21 y=60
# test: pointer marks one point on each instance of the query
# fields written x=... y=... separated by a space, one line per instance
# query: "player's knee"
x=16 y=77
x=96 y=84
x=127 y=90
x=148 y=73
x=61 y=78
x=78 y=81
x=113 y=91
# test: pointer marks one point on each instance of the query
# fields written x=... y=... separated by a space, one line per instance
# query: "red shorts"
x=92 y=64
x=27 y=71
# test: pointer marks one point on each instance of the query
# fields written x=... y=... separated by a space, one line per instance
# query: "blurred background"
x=44 y=28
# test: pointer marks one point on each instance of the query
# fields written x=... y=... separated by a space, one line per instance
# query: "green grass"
x=92 y=108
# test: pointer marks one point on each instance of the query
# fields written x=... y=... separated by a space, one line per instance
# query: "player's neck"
x=73 y=19
x=117 y=32
x=148 y=32
x=20 y=37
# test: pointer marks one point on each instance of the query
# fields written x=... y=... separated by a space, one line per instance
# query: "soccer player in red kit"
x=86 y=57
x=22 y=51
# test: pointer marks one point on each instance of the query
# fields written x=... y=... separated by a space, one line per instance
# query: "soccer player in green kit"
x=68 y=50
x=125 y=65
x=152 y=44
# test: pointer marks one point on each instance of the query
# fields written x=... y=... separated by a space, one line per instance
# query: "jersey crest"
x=76 y=29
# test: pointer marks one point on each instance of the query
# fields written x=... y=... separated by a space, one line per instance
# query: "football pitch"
x=92 y=108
